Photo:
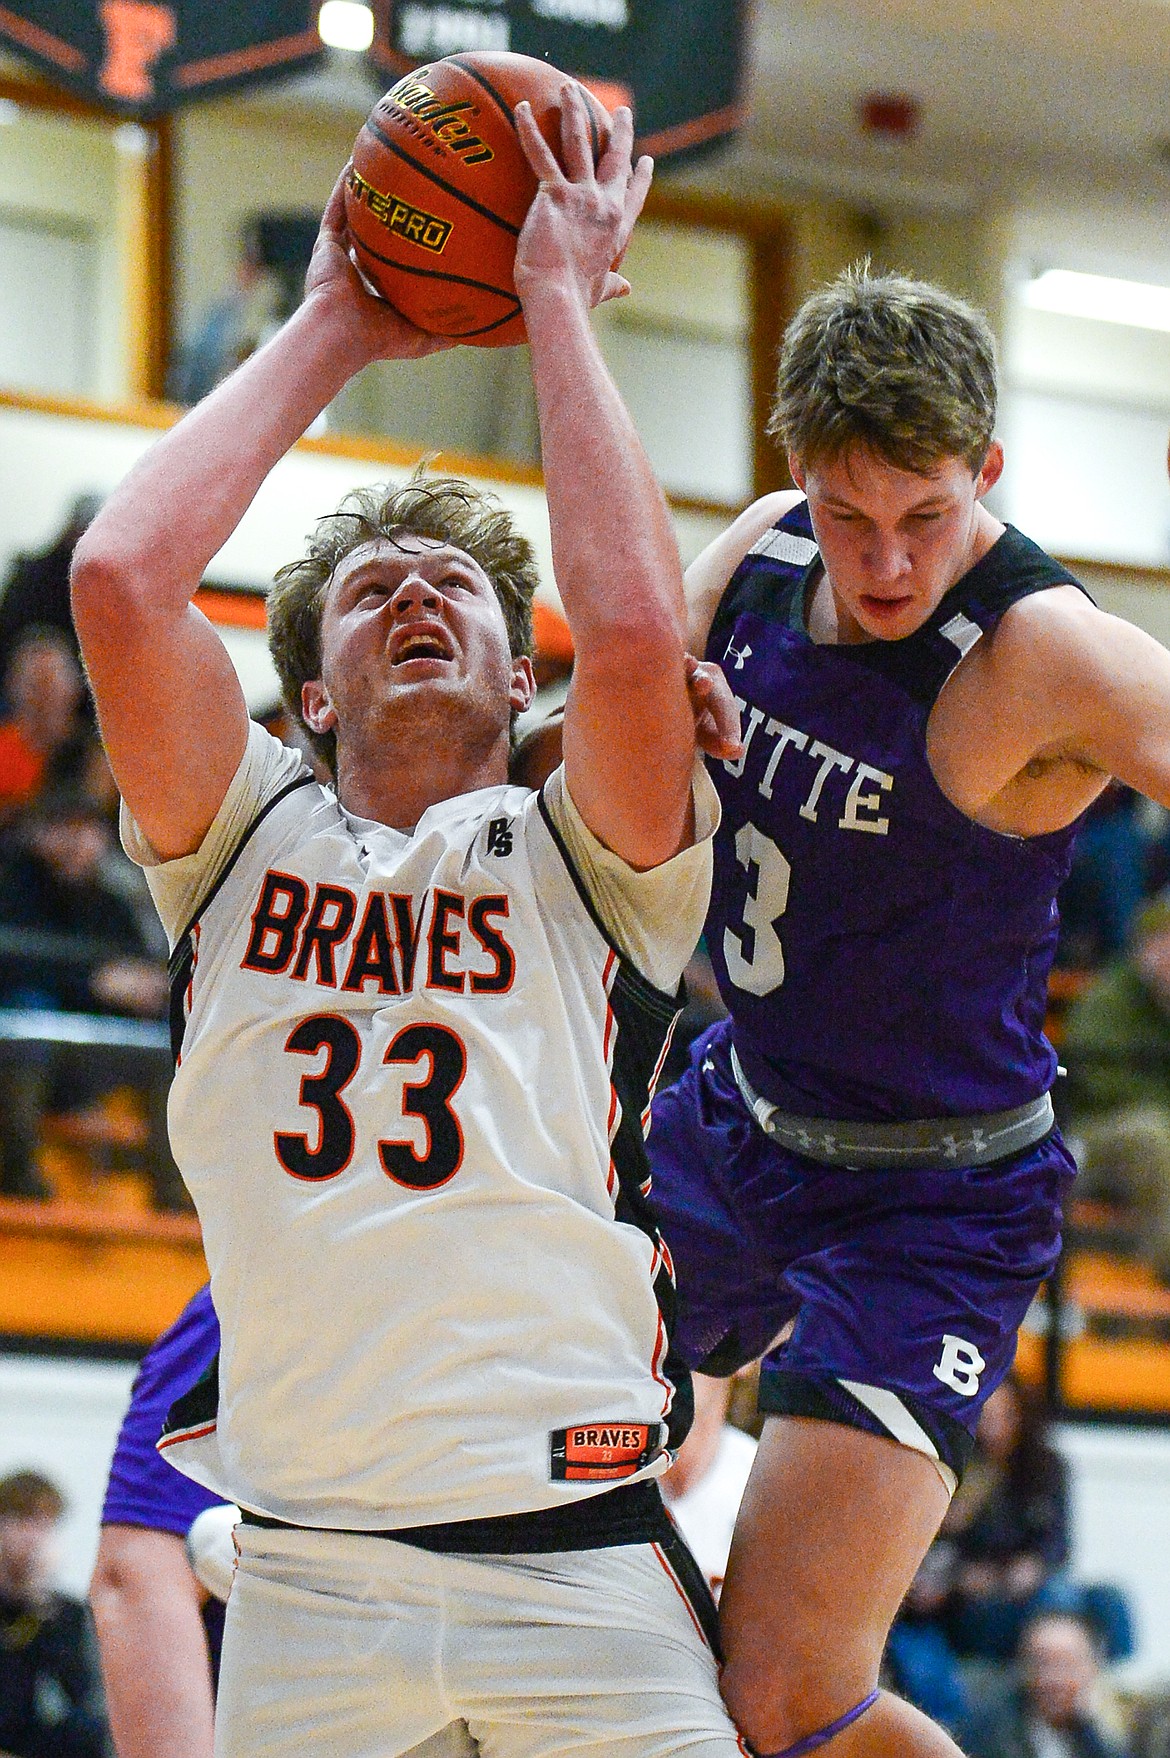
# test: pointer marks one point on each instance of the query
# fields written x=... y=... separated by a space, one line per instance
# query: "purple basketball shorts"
x=904 y=1289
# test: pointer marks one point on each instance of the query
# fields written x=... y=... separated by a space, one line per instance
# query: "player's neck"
x=398 y=789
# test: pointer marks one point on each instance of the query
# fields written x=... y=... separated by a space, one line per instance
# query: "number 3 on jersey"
x=753 y=954
x=428 y=1100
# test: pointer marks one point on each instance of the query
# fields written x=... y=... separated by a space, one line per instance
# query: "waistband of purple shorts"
x=943 y=1142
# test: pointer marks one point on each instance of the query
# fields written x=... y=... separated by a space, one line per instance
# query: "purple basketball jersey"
x=881 y=955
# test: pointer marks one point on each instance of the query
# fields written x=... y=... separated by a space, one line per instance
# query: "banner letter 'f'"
x=137 y=33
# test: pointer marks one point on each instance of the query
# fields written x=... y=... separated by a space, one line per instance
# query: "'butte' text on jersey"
x=882 y=956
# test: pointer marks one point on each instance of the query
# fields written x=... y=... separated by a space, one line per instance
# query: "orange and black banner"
x=144 y=57
x=679 y=64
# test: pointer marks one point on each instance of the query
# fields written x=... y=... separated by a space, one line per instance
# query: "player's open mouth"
x=885 y=607
x=420 y=646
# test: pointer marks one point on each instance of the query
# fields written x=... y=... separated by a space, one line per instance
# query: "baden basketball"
x=439 y=188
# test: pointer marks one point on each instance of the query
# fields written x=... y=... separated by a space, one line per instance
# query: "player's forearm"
x=153 y=1647
x=614 y=548
x=160 y=528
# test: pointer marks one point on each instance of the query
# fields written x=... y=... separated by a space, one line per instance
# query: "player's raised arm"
x=629 y=737
x=171 y=710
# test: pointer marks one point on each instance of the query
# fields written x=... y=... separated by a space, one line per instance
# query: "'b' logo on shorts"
x=959 y=1366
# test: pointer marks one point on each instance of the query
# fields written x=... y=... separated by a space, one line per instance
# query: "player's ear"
x=319 y=712
x=523 y=684
x=992 y=469
x=796 y=471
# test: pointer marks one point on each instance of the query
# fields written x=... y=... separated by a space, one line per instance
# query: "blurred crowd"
x=80 y=946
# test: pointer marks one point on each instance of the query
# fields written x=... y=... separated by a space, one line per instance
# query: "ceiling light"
x=1141 y=304
x=343 y=24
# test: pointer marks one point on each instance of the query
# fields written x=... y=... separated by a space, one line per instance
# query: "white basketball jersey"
x=410 y=1103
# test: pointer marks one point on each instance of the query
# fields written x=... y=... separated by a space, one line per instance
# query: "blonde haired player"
x=419 y=1020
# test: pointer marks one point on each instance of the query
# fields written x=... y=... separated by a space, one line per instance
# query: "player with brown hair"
x=420 y=1018
x=858 y=1175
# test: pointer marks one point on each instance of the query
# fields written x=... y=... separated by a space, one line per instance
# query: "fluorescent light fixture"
x=343 y=24
x=1140 y=304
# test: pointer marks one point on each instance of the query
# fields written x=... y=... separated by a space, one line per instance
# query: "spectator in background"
x=79 y=949
x=36 y=587
x=1117 y=1035
x=1112 y=864
x=705 y=1485
x=1054 y=1709
x=1150 y=1731
x=1007 y=1528
x=235 y=324
x=1117 y=1046
x=42 y=732
x=50 y=1696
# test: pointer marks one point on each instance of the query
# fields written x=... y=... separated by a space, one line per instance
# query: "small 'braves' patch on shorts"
x=905 y=1289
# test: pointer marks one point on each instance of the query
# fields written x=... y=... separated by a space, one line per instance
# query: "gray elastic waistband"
x=933 y=1141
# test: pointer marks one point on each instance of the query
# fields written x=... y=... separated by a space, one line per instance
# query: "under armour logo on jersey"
x=740 y=655
x=499 y=836
x=959 y=1366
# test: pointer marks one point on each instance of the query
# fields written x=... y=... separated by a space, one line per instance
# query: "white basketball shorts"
x=346 y=1646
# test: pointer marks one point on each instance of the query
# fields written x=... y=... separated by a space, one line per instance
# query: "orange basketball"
x=439 y=188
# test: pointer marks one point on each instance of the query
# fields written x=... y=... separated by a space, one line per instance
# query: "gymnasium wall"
x=60 y=190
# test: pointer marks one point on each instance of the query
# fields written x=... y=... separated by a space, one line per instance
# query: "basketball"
x=439 y=188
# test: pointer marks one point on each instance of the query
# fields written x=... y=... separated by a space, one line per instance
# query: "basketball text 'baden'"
x=439 y=187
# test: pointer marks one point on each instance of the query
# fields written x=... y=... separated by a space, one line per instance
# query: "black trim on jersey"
x=182 y=959
x=783 y=1393
x=727 y=1357
x=631 y=1514
x=920 y=663
x=645 y=1017
x=672 y=1003
x=198 y=1406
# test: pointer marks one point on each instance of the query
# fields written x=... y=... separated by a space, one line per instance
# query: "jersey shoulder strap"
x=770 y=581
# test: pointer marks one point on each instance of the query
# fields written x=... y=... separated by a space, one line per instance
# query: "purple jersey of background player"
x=883 y=956
x=143 y=1489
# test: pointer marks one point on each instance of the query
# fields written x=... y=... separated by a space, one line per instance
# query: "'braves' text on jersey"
x=413 y=1079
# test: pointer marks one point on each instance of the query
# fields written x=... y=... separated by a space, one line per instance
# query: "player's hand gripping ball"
x=439 y=188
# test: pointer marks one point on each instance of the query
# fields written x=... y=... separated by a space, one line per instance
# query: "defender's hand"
x=717 y=730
